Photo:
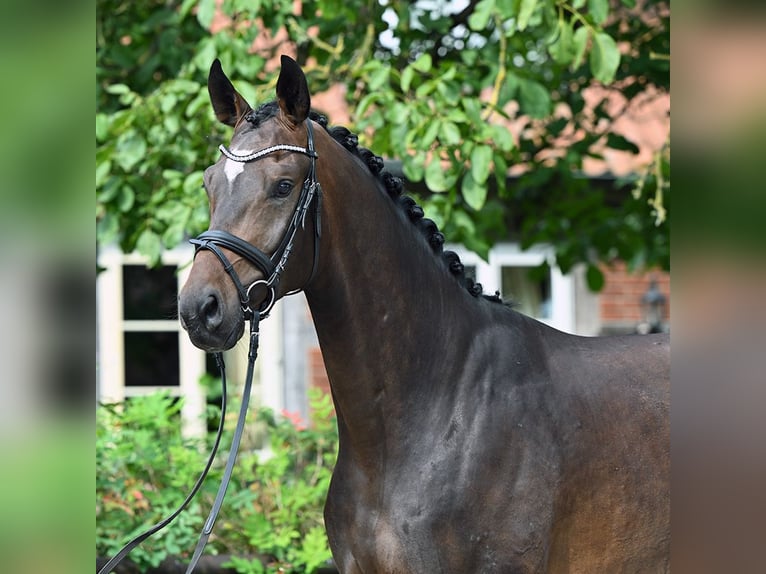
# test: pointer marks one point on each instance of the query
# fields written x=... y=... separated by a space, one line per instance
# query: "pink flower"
x=295 y=419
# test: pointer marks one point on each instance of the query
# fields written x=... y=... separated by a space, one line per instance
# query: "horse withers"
x=472 y=438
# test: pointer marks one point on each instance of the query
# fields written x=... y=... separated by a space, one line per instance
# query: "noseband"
x=272 y=266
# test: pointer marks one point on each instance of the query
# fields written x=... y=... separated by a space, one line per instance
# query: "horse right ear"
x=228 y=104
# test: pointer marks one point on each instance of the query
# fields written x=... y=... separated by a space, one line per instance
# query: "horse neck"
x=381 y=301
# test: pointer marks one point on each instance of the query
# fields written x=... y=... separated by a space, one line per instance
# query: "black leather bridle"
x=272 y=267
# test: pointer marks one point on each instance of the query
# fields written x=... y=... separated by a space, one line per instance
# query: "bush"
x=272 y=517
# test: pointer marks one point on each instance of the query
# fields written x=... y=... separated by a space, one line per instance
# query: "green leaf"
x=184 y=86
x=526 y=8
x=406 y=81
x=314 y=550
x=102 y=127
x=481 y=159
x=186 y=6
x=616 y=141
x=435 y=177
x=131 y=149
x=365 y=103
x=449 y=133
x=562 y=49
x=109 y=190
x=378 y=78
x=172 y=174
x=398 y=113
x=595 y=278
x=423 y=63
x=449 y=74
x=118 y=89
x=171 y=124
x=449 y=91
x=463 y=221
x=102 y=172
x=474 y=193
x=126 y=198
x=108 y=227
x=534 y=99
x=193 y=181
x=579 y=43
x=425 y=88
x=205 y=12
x=149 y=244
x=604 y=57
x=430 y=134
x=472 y=109
x=413 y=167
x=174 y=234
x=501 y=173
x=481 y=14
x=502 y=137
x=599 y=10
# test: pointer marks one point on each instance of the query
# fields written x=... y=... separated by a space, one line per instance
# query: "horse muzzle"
x=212 y=321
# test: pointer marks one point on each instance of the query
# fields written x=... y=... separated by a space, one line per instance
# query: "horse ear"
x=293 y=91
x=228 y=104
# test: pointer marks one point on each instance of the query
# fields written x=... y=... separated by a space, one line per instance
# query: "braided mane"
x=395 y=188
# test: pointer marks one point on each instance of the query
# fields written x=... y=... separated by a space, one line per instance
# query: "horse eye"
x=283 y=189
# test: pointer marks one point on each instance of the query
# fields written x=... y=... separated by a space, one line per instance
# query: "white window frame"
x=111 y=347
x=489 y=274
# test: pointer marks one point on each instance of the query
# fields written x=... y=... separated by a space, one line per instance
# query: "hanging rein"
x=272 y=267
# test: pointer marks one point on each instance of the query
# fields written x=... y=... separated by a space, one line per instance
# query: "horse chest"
x=437 y=514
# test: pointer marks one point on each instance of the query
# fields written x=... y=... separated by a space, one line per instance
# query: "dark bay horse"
x=472 y=438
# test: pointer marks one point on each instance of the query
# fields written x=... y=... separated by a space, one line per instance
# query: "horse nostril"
x=210 y=312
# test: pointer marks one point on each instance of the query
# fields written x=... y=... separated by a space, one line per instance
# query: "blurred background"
x=48 y=264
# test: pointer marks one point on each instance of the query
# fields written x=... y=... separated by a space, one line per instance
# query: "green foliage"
x=288 y=489
x=143 y=471
x=272 y=518
x=432 y=86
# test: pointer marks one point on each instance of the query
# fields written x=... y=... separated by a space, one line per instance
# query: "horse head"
x=264 y=201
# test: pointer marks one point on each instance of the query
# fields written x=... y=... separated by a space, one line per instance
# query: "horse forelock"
x=394 y=187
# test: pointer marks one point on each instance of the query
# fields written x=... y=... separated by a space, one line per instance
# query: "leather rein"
x=272 y=267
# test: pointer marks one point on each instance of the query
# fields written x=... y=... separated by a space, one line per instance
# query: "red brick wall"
x=620 y=299
x=317 y=374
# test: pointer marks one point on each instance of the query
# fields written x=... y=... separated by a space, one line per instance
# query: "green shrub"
x=271 y=519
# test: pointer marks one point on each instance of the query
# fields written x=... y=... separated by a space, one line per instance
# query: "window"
x=529 y=288
x=150 y=340
x=149 y=293
x=141 y=345
x=540 y=291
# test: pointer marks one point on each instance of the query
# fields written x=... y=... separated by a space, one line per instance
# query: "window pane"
x=149 y=293
x=532 y=296
x=151 y=359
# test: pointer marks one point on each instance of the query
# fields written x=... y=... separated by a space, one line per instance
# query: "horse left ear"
x=228 y=104
x=293 y=91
